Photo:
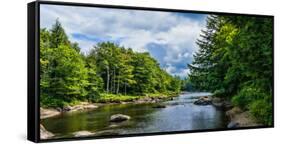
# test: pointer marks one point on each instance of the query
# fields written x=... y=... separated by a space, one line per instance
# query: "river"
x=180 y=114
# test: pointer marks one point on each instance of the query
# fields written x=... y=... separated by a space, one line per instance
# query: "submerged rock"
x=119 y=118
x=44 y=134
x=83 y=134
x=159 y=106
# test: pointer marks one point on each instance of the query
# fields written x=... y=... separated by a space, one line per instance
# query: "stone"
x=119 y=118
x=233 y=125
x=45 y=134
x=67 y=108
x=83 y=134
x=46 y=113
x=90 y=106
x=203 y=101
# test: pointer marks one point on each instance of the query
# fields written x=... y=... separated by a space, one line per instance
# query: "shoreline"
x=237 y=118
x=52 y=112
x=82 y=106
x=235 y=115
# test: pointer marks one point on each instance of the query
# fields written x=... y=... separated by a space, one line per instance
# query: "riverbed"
x=180 y=114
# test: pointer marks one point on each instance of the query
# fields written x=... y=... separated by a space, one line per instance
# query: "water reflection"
x=179 y=114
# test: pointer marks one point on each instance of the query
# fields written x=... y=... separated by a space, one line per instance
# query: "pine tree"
x=58 y=35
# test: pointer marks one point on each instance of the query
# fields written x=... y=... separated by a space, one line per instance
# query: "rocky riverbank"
x=50 y=112
x=44 y=134
x=236 y=116
x=239 y=118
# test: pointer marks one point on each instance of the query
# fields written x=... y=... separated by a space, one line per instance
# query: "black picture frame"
x=33 y=106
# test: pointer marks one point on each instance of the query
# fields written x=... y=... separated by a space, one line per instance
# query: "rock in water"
x=233 y=125
x=44 y=134
x=67 y=108
x=159 y=106
x=203 y=101
x=119 y=118
x=83 y=134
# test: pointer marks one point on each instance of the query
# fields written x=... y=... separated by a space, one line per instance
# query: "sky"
x=168 y=36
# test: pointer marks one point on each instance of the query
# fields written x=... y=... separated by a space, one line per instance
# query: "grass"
x=105 y=97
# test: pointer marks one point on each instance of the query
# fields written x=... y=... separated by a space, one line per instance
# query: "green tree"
x=235 y=61
x=95 y=82
x=68 y=75
x=58 y=36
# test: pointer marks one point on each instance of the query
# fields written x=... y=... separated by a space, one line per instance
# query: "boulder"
x=243 y=118
x=46 y=113
x=90 y=106
x=83 y=134
x=227 y=105
x=80 y=107
x=44 y=134
x=233 y=125
x=67 y=108
x=203 y=101
x=119 y=118
x=222 y=103
x=122 y=102
x=233 y=112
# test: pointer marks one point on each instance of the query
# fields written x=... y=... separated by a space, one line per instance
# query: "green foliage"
x=257 y=101
x=58 y=36
x=105 y=97
x=175 y=84
x=69 y=75
x=262 y=111
x=107 y=73
x=49 y=101
x=235 y=61
x=63 y=76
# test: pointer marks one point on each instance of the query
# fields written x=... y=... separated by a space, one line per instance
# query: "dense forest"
x=234 y=61
x=107 y=72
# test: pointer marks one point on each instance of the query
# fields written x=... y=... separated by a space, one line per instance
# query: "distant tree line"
x=68 y=76
x=234 y=61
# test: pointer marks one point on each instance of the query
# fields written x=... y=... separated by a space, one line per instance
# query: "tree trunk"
x=117 y=91
x=111 y=82
x=107 y=82
x=114 y=80
x=125 y=88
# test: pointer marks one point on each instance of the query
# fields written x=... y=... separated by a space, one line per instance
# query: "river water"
x=180 y=114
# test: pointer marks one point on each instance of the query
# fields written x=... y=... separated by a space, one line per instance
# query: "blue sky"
x=168 y=36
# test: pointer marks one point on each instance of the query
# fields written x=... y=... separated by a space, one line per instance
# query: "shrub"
x=257 y=101
x=262 y=111
x=247 y=95
x=49 y=101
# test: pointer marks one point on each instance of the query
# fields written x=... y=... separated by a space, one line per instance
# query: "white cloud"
x=135 y=29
